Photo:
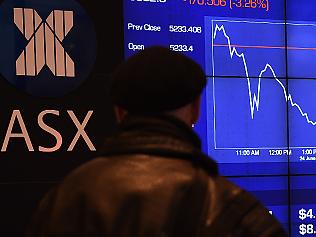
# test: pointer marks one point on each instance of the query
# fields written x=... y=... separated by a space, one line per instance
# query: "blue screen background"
x=258 y=113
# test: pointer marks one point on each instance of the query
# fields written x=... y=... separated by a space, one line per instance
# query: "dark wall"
x=25 y=176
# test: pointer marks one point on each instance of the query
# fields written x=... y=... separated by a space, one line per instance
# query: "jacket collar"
x=160 y=135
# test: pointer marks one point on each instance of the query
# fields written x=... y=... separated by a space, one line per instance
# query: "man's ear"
x=195 y=110
x=120 y=113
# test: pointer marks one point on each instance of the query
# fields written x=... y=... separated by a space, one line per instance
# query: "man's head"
x=158 y=81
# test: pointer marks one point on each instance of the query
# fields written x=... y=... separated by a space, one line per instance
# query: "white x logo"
x=44 y=42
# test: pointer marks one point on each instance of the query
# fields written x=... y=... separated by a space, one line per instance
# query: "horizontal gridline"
x=243 y=78
x=288 y=175
x=264 y=176
x=264 y=22
x=285 y=23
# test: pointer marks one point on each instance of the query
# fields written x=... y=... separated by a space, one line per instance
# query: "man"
x=152 y=178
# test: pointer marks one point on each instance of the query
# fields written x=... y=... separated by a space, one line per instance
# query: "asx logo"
x=51 y=46
x=44 y=45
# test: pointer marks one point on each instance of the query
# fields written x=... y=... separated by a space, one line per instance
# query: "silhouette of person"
x=151 y=178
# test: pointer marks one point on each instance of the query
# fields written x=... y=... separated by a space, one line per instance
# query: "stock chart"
x=258 y=116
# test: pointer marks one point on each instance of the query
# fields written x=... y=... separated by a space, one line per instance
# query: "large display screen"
x=258 y=118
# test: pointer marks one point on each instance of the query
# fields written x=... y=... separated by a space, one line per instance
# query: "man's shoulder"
x=236 y=212
x=175 y=188
x=125 y=171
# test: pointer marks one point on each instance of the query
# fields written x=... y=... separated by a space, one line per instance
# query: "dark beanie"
x=156 y=80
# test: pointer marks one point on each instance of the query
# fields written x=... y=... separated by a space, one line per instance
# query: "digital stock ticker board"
x=258 y=118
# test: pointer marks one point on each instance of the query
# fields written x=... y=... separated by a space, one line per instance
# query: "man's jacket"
x=151 y=179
